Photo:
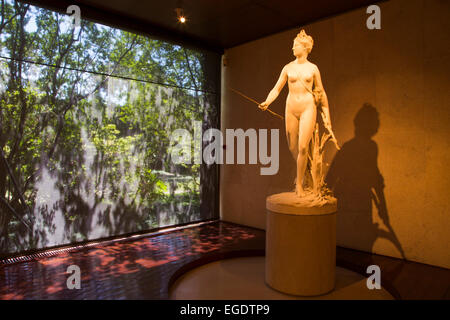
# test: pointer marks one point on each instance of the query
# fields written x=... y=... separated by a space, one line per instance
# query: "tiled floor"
x=145 y=267
x=140 y=269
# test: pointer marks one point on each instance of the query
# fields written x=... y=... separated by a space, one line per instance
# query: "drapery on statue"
x=306 y=94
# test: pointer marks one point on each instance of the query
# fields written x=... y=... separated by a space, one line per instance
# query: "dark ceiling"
x=212 y=24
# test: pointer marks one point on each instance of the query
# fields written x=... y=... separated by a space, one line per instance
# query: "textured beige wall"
x=403 y=71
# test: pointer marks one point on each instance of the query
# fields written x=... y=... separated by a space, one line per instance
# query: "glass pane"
x=87 y=115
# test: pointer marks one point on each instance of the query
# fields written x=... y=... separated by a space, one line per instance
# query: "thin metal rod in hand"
x=254 y=101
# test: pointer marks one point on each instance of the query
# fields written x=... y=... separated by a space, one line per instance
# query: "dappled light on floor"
x=138 y=269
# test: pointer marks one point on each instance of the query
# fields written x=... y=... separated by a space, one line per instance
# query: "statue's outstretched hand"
x=263 y=106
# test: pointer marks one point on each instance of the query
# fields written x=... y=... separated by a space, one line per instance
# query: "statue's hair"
x=305 y=39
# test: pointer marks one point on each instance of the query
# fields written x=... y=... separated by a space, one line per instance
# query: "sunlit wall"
x=402 y=71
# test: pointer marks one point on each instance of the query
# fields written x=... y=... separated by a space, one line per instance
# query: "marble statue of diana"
x=306 y=94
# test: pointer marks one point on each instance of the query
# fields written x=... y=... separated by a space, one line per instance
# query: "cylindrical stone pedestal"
x=300 y=245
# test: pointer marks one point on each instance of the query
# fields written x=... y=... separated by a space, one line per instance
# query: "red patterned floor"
x=138 y=269
x=143 y=267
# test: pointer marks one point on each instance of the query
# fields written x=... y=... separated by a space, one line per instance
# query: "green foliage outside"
x=87 y=155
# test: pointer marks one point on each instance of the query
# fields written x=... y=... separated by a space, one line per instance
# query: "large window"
x=86 y=116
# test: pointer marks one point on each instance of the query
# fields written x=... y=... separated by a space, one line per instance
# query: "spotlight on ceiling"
x=180 y=12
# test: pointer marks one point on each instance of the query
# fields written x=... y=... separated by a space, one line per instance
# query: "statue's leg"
x=292 y=126
x=291 y=123
x=306 y=129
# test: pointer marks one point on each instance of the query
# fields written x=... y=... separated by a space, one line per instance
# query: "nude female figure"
x=301 y=110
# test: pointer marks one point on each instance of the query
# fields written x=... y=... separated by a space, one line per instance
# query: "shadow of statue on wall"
x=357 y=183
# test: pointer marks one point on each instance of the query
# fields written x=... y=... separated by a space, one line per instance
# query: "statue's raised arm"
x=273 y=94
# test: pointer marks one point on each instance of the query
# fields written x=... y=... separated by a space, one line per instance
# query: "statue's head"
x=302 y=42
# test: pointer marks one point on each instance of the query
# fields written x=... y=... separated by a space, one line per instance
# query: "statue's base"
x=300 y=245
